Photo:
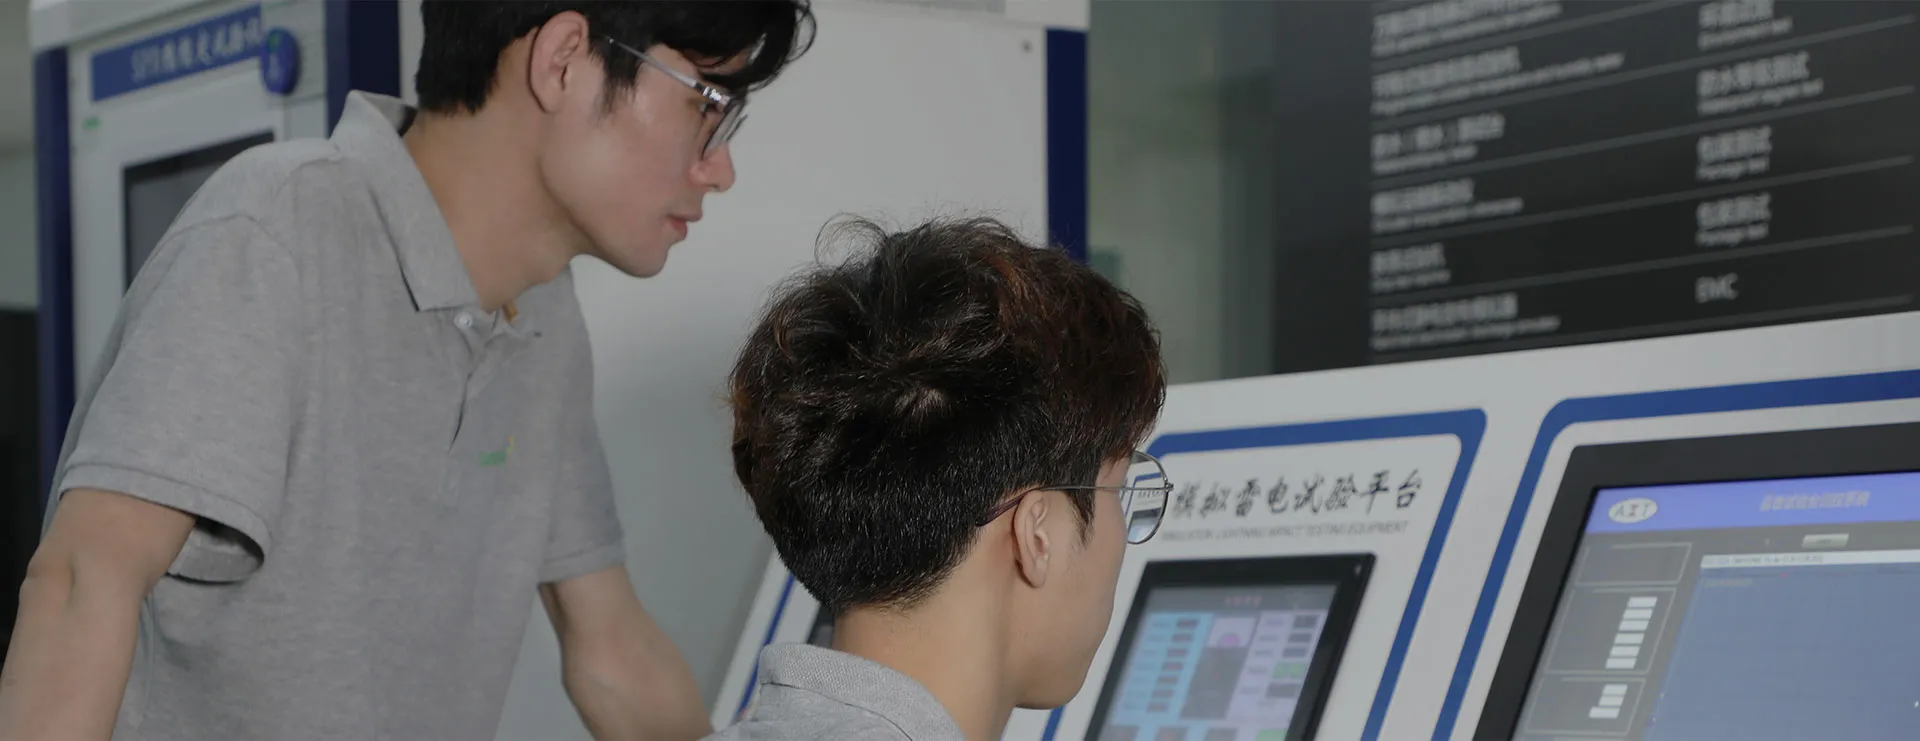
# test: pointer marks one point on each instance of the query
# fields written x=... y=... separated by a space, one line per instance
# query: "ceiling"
x=16 y=86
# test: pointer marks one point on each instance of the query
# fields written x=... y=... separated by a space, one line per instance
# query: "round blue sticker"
x=279 y=62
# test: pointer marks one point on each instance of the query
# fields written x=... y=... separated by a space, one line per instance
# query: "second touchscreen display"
x=1218 y=663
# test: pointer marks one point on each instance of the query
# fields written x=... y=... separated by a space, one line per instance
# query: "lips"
x=682 y=224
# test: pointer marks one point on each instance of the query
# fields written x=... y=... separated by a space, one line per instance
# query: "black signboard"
x=1468 y=176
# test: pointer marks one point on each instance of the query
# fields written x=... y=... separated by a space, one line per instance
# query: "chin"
x=1055 y=694
x=638 y=266
x=647 y=271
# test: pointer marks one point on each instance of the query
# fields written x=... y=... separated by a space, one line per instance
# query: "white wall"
x=898 y=113
x=1182 y=191
x=19 y=283
x=1158 y=168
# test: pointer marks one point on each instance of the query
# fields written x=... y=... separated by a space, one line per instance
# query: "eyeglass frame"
x=1165 y=488
x=732 y=107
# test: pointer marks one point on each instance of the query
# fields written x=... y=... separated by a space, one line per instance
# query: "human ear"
x=1033 y=545
x=556 y=48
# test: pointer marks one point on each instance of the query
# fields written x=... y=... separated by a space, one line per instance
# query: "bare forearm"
x=67 y=665
x=79 y=615
x=649 y=696
x=623 y=673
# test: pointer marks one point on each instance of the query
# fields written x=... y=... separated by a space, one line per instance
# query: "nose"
x=715 y=172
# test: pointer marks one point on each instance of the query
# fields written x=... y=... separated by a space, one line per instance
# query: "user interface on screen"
x=1217 y=663
x=1782 y=609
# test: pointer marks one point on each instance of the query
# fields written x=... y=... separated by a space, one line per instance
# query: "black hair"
x=463 y=40
x=883 y=407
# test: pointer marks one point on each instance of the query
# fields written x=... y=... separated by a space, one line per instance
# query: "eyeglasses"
x=732 y=108
x=1143 y=498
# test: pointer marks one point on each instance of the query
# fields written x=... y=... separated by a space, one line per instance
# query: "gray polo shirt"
x=809 y=693
x=383 y=473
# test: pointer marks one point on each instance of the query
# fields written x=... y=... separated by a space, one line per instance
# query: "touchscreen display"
x=1217 y=663
x=1754 y=610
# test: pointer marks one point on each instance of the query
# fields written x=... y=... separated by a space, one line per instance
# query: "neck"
x=947 y=645
x=483 y=175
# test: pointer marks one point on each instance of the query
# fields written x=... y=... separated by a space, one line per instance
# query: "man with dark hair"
x=342 y=433
x=939 y=437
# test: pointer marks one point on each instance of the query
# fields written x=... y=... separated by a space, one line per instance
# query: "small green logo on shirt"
x=498 y=457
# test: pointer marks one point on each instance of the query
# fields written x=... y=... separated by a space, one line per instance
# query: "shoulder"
x=249 y=232
x=302 y=191
x=256 y=183
x=826 y=727
x=785 y=712
x=867 y=727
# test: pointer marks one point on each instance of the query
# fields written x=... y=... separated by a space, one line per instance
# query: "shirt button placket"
x=464 y=321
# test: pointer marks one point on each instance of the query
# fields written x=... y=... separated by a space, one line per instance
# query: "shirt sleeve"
x=585 y=534
x=196 y=405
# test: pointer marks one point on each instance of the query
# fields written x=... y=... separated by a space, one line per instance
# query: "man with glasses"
x=939 y=438
x=343 y=430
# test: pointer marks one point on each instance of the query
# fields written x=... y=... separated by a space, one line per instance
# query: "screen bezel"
x=217 y=153
x=1867 y=450
x=1348 y=573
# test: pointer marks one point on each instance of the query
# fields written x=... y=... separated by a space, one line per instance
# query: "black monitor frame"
x=1844 y=451
x=1348 y=573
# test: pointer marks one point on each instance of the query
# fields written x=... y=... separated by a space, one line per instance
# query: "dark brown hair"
x=884 y=406
x=463 y=40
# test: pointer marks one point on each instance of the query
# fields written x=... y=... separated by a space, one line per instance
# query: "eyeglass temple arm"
x=712 y=92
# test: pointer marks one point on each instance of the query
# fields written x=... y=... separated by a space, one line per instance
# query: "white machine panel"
x=216 y=112
x=1486 y=439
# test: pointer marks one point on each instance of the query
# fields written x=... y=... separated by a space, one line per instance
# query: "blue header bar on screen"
x=1826 y=500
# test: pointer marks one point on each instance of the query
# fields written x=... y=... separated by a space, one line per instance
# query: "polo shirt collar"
x=369 y=135
x=861 y=683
